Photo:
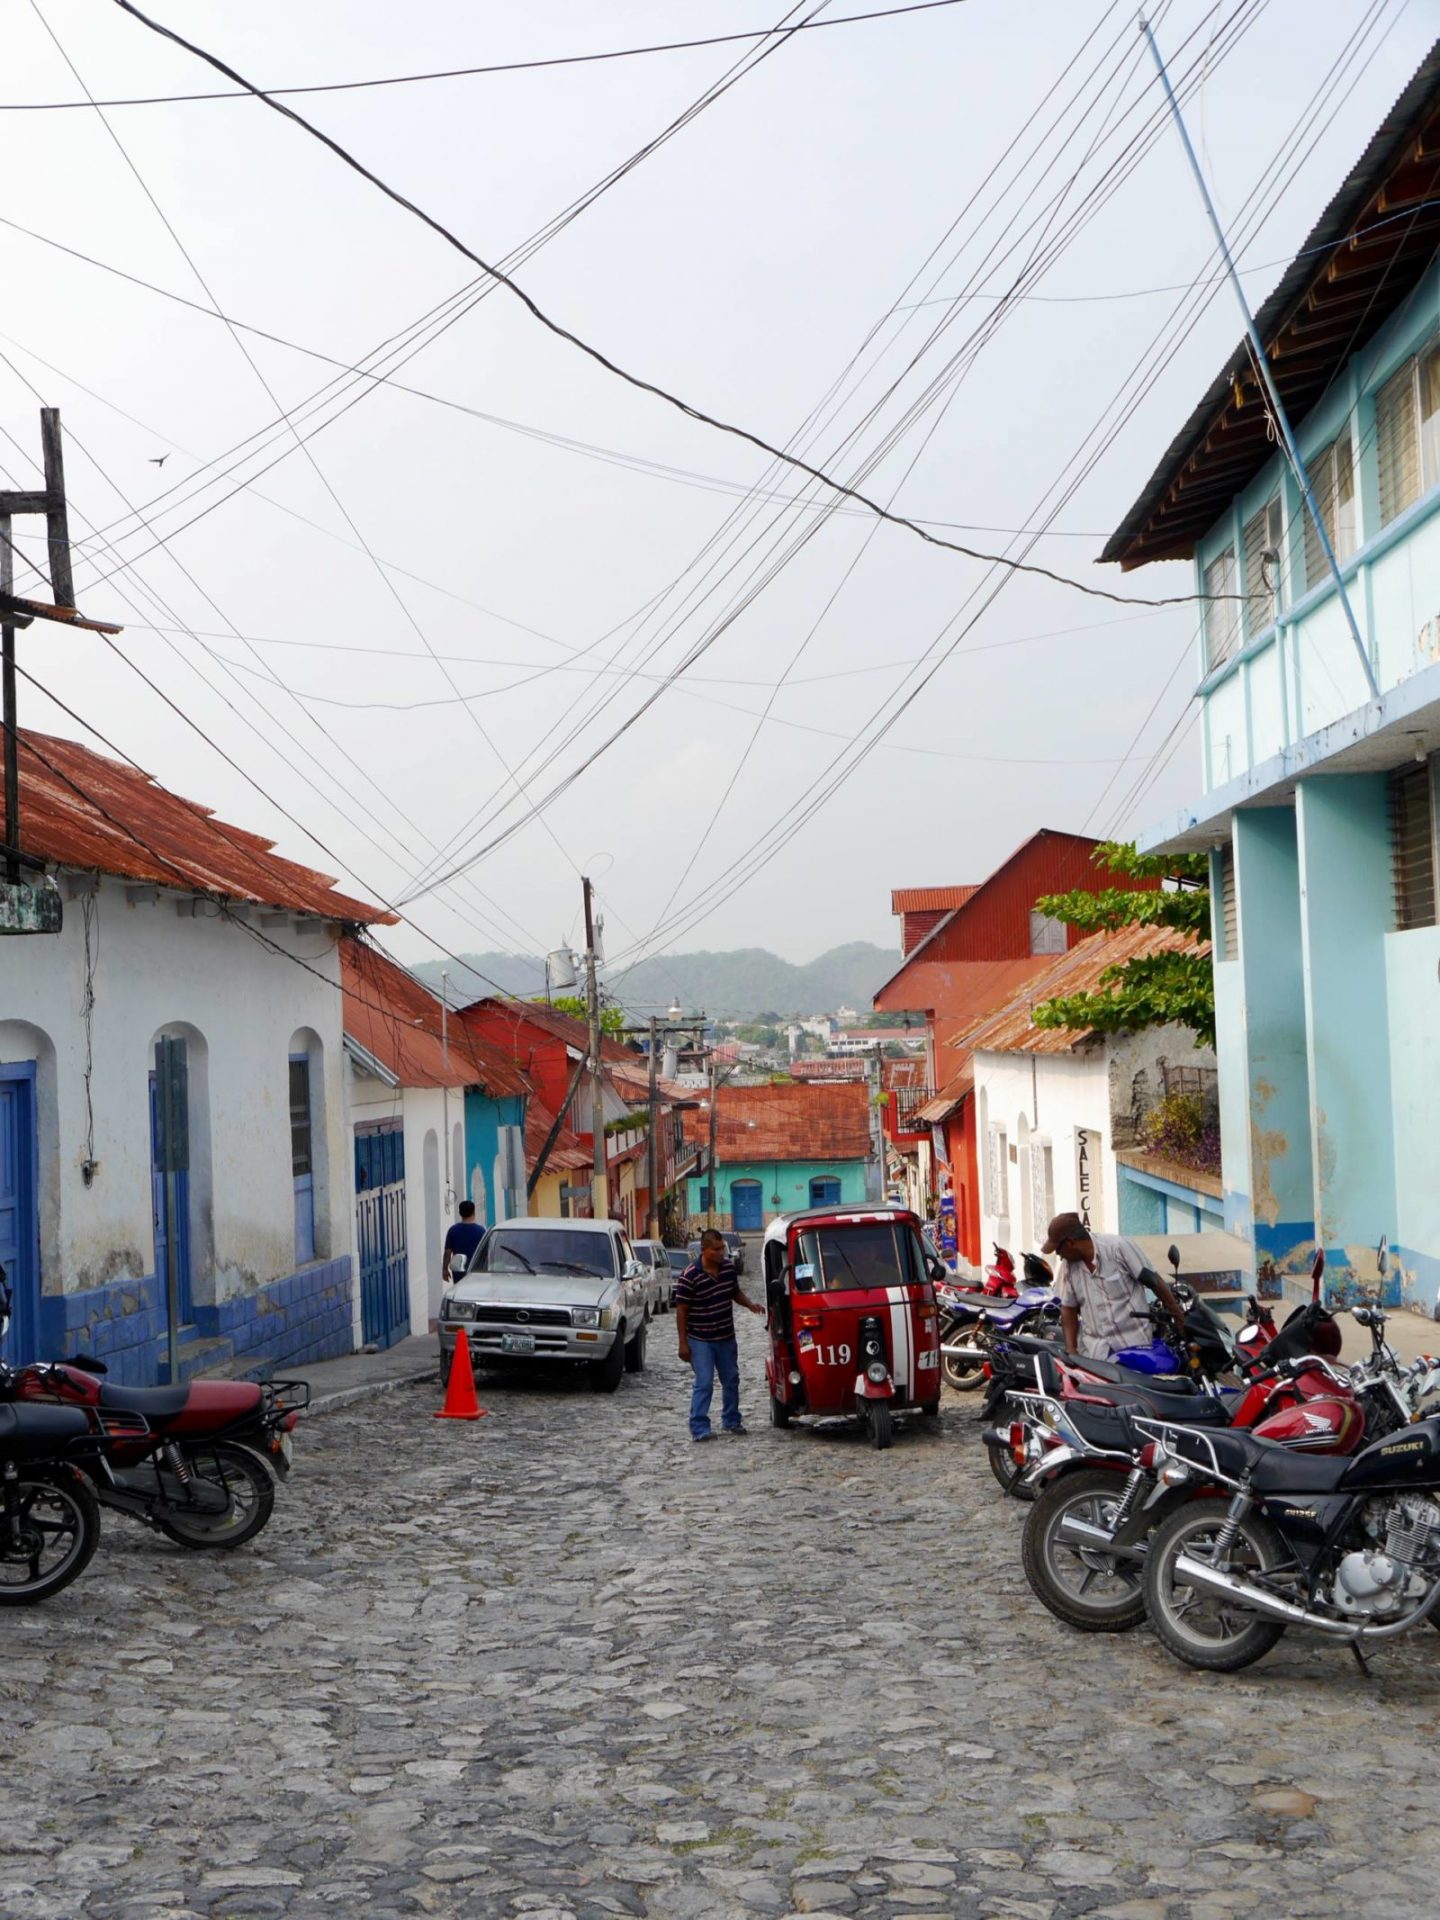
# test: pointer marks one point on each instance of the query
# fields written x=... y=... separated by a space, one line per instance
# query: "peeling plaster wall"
x=1412 y=970
x=155 y=968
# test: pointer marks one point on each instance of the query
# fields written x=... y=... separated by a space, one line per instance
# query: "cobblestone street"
x=566 y=1663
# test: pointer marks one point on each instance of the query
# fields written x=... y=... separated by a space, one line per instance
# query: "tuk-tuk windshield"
x=870 y=1253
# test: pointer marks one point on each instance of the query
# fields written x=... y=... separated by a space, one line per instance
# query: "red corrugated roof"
x=397 y=1018
x=566 y=1156
x=948 y=1098
x=929 y=899
x=80 y=809
x=800 y=1120
x=1011 y=1029
x=561 y=1026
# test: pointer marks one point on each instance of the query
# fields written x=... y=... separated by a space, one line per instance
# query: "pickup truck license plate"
x=517 y=1343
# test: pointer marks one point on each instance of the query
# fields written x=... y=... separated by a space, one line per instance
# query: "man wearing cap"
x=1103 y=1284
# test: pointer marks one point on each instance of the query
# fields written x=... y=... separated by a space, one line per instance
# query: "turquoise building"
x=779 y=1147
x=1318 y=799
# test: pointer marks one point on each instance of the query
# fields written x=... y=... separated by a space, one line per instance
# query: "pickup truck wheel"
x=606 y=1373
x=635 y=1354
x=445 y=1359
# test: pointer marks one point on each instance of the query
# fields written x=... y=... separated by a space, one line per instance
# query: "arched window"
x=182 y=1196
x=309 y=1146
x=29 y=1180
x=824 y=1191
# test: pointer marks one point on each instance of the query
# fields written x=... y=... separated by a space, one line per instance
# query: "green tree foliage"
x=1152 y=989
x=612 y=1019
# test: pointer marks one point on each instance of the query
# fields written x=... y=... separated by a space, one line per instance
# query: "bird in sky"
x=158 y=459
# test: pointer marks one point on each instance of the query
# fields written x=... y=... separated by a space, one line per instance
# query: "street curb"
x=347 y=1396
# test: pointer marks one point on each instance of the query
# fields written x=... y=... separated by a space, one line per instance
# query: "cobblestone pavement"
x=566 y=1663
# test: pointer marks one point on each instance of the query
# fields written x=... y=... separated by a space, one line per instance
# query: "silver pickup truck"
x=542 y=1291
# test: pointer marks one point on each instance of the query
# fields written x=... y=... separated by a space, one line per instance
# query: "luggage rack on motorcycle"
x=1163 y=1433
x=111 y=1423
x=284 y=1396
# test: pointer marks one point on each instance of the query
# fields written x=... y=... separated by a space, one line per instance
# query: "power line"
x=601 y=359
x=466 y=73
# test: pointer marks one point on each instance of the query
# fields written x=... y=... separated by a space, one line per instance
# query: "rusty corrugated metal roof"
x=797 y=1120
x=548 y=1019
x=396 y=1017
x=79 y=809
x=1011 y=1029
x=929 y=899
x=567 y=1155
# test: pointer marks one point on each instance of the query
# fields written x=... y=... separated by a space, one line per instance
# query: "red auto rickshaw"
x=851 y=1313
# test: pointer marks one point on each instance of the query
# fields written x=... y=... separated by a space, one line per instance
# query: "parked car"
x=652 y=1256
x=570 y=1292
x=680 y=1258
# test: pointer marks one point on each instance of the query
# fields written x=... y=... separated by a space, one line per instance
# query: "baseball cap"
x=1065 y=1226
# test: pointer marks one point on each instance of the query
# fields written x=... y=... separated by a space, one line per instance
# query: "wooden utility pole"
x=710 y=1171
x=51 y=502
x=599 y=1182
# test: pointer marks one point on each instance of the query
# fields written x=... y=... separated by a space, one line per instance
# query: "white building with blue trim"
x=1318 y=798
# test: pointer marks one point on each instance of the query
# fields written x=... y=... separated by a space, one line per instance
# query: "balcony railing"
x=908 y=1102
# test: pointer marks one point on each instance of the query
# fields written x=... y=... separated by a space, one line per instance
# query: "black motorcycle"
x=49 y=1516
x=1348 y=1547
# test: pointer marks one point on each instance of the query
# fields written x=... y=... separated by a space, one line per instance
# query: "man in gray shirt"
x=1103 y=1286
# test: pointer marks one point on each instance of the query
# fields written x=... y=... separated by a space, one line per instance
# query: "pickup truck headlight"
x=458 y=1310
x=584 y=1316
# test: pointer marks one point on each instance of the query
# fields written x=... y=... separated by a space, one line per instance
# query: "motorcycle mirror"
x=1173 y=1256
x=1382 y=1255
x=1317 y=1268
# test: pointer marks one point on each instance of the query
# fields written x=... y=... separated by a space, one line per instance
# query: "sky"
x=399 y=631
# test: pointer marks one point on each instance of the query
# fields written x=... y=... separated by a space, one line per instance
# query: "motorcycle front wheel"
x=250 y=1499
x=49 y=1530
x=963 y=1375
x=1081 y=1584
x=1205 y=1630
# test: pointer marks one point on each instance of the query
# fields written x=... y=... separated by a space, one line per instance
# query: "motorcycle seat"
x=1119 y=1376
x=154 y=1403
x=1196 y=1411
x=37 y=1432
x=1272 y=1468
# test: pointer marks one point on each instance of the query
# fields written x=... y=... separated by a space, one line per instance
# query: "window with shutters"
x=1047 y=935
x=1229 y=907
x=1222 y=610
x=1407 y=433
x=1262 y=568
x=1412 y=841
x=1332 y=481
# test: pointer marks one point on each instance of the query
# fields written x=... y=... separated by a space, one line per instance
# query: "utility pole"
x=599 y=1200
x=34 y=908
x=653 y=1154
x=445 y=1090
x=714 y=1088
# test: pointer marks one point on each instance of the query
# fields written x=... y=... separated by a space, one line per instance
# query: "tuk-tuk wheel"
x=779 y=1413
x=931 y=1409
x=881 y=1430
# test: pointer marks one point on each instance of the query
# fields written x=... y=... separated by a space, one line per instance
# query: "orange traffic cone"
x=461 y=1400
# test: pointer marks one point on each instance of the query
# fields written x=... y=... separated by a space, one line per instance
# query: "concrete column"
x=1347 y=908
x=1264 y=1053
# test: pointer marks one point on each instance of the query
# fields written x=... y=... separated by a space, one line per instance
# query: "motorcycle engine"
x=1385 y=1579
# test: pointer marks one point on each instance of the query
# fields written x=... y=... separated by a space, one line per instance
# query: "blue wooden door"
x=747 y=1206
x=824 y=1191
x=380 y=1234
x=19 y=1215
x=160 y=1216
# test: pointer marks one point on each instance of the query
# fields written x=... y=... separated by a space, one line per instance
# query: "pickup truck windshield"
x=869 y=1254
x=523 y=1250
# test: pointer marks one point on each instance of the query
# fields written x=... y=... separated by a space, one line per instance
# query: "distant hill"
x=735 y=985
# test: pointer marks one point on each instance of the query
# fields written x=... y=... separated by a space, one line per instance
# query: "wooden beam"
x=24 y=503
x=57 y=527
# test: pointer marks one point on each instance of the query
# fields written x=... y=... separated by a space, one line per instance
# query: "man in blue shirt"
x=460 y=1244
x=705 y=1297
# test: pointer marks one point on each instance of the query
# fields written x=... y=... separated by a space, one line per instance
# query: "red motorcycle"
x=203 y=1471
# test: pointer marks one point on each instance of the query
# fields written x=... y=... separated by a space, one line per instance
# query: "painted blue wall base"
x=305 y=1316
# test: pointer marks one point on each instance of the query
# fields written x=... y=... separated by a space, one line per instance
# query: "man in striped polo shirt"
x=705 y=1297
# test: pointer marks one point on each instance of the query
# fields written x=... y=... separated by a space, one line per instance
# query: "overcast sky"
x=744 y=265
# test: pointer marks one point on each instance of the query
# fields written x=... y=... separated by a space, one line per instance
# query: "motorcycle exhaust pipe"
x=1199 y=1573
x=965 y=1353
x=1085 y=1535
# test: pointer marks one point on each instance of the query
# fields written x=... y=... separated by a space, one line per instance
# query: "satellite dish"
x=560 y=968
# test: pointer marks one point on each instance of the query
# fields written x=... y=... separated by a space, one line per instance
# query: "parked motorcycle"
x=1349 y=1548
x=1102 y=1496
x=49 y=1516
x=198 y=1462
x=973 y=1318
